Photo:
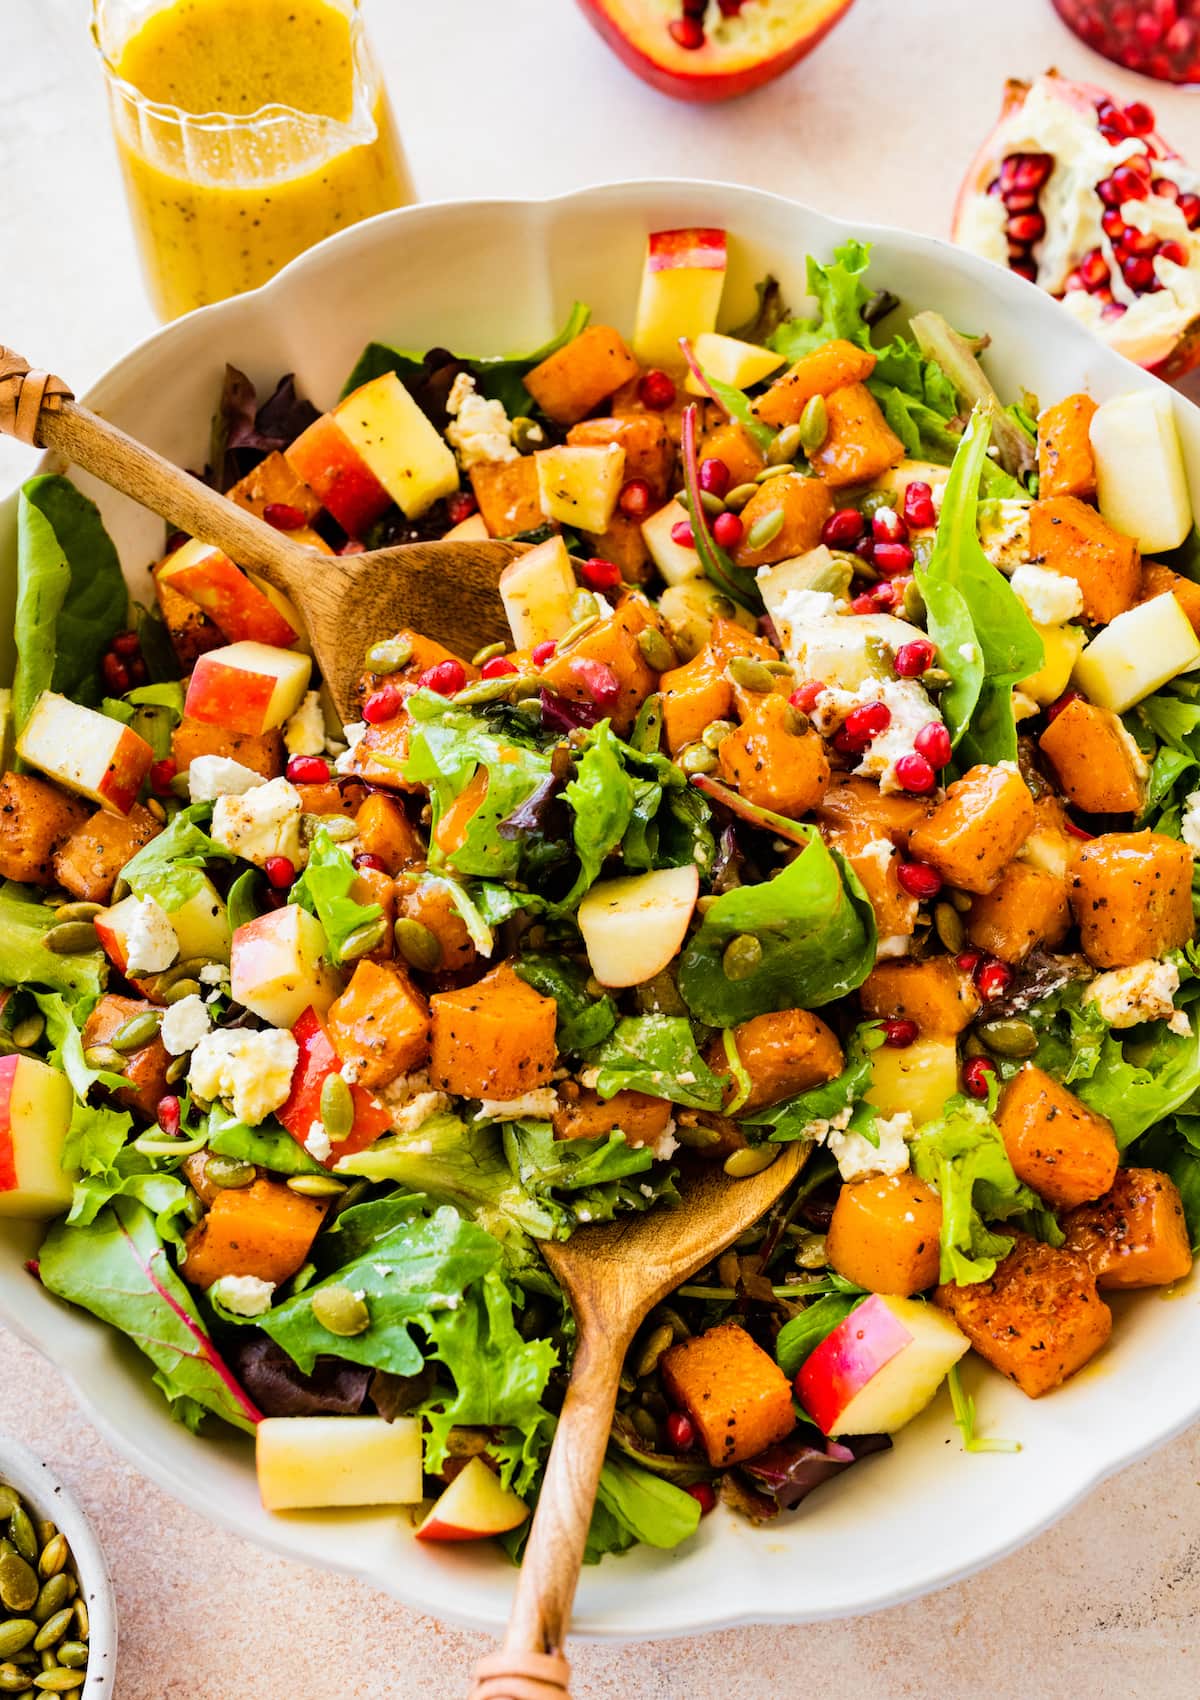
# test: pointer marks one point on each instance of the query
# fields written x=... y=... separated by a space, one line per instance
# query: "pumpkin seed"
x=488 y=690
x=28 y=1031
x=703 y=905
x=736 y=499
x=655 y=649
x=23 y=1535
x=49 y=1659
x=390 y=655
x=181 y=787
x=337 y=1107
x=935 y=678
x=9 y=1500
x=582 y=608
x=814 y=424
x=340 y=1312
x=750 y=674
x=950 y=929
x=82 y=1619
x=712 y=505
x=645 y=1424
x=55 y=1594
x=489 y=652
x=103 y=1056
x=77 y=911
x=797 y=721
x=316 y=1186
x=69 y=938
x=1009 y=1036
x=527 y=434
x=769 y=472
x=876 y=499
x=13 y=1680
x=54 y=1555
x=122 y=887
x=139 y=1030
x=750 y=1161
x=363 y=940
x=418 y=944
x=54 y=1629
x=154 y=1144
x=177 y=1068
x=962 y=900
x=18 y=1583
x=914 y=603
x=73 y=1654
x=765 y=530
x=696 y=1135
x=742 y=957
x=696 y=759
x=716 y=732
x=46 y=1530
x=785 y=446
x=668 y=1313
x=60 y=1680
x=15 y=1635
x=660 y=1339
x=229 y=1173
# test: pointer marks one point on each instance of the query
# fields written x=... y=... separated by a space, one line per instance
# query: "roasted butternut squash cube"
x=381 y=754
x=372 y=885
x=1055 y=1143
x=583 y=1114
x=380 y=1024
x=831 y=367
x=146 y=1068
x=624 y=544
x=88 y=862
x=784 y=1052
x=1158 y=580
x=494 y=1039
x=1136 y=1235
x=877 y=865
x=736 y=1395
x=772 y=765
x=972 y=835
x=1039 y=1318
x=1027 y=907
x=1066 y=464
x=572 y=382
x=1066 y=536
x=649 y=452
x=1131 y=895
x=508 y=495
x=35 y=819
x=730 y=638
x=885 y=1234
x=935 y=993
x=731 y=442
x=890 y=814
x=261 y=752
x=1095 y=761
x=334 y=797
x=861 y=445
x=273 y=480
x=384 y=830
x=613 y=643
x=433 y=907
x=803 y=504
x=189 y=628
x=264 y=1229
x=693 y=696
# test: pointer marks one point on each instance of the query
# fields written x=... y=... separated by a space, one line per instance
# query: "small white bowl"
x=48 y=1499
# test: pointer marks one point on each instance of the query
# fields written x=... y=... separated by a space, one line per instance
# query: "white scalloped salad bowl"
x=489 y=277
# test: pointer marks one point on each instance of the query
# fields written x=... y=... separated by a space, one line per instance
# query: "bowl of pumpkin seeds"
x=58 y=1620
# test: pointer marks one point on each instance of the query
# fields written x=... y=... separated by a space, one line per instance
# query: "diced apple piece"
x=326 y=460
x=276 y=967
x=1061 y=649
x=36 y=1102
x=247 y=687
x=474 y=1506
x=879 y=1367
x=835 y=650
x=86 y=752
x=200 y=923
x=472 y=530
x=815 y=570
x=229 y=598
x=404 y=450
x=919 y=1078
x=1137 y=653
x=730 y=361
x=1141 y=485
x=578 y=485
x=682 y=280
x=537 y=590
x=633 y=927
x=305 y=1463
x=287 y=609
x=690 y=607
x=677 y=562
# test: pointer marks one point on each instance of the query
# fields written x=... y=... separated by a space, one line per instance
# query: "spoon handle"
x=531 y=1665
x=38 y=409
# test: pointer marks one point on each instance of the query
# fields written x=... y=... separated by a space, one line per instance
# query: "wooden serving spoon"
x=613 y=1276
x=446 y=591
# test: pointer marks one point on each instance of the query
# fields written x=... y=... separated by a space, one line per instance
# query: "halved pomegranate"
x=1084 y=198
x=704 y=50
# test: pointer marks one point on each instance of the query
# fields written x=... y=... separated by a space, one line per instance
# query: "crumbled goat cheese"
x=304 y=733
x=911 y=709
x=1145 y=992
x=243 y=1295
x=665 y=1144
x=538 y=1105
x=480 y=430
x=263 y=823
x=213 y=974
x=355 y=732
x=411 y=1101
x=1050 y=599
x=1189 y=826
x=184 y=1024
x=318 y=1143
x=1024 y=707
x=150 y=942
x=210 y=777
x=856 y=1157
x=892 y=944
x=251 y=1070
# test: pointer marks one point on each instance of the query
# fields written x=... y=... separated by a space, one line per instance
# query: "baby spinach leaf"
x=800 y=1337
x=963 y=1154
x=324 y=890
x=1136 y=1095
x=601 y=801
x=657 y=1054
x=583 y=1021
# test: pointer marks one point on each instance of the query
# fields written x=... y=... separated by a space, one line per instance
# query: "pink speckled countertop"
x=883 y=118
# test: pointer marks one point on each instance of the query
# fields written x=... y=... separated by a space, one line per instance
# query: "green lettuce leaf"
x=634 y=1505
x=601 y=800
x=66 y=1052
x=583 y=1021
x=154 y=711
x=589 y=1179
x=24 y=959
x=170 y=869
x=1134 y=1095
x=268 y=1145
x=792 y=1118
x=324 y=890
x=841 y=294
x=963 y=1154
x=657 y=1054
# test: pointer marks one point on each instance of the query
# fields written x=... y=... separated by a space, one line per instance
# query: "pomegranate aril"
x=885 y=595
x=914 y=773
x=867 y=721
x=635 y=499
x=284 y=517
x=694 y=8
x=1027 y=227
x=919 y=513
x=681 y=1432
x=1113 y=226
x=167 y=1115
x=599 y=574
x=1093 y=268
x=893 y=558
x=1173 y=251
x=499 y=667
x=704 y=1494
x=967 y=961
x=1029 y=170
x=1139 y=117
x=843 y=529
x=730 y=8
x=447 y=678
x=597 y=679
x=804 y=697
x=1020 y=200
x=933 y=742
x=308 y=770
x=687 y=33
x=139 y=673
x=280 y=871
x=862 y=604
x=1189 y=206
x=714 y=476
x=899 y=1032
x=977 y=1076
x=682 y=533
x=114 y=673
x=365 y=859
x=161 y=774
x=127 y=644
x=383 y=704
x=887 y=526
x=461 y=507
x=728 y=530
x=1135 y=241
x=866 y=549
x=993 y=980
x=1138 y=272
x=915 y=658
x=543 y=652
x=918 y=879
x=656 y=390
x=1163 y=186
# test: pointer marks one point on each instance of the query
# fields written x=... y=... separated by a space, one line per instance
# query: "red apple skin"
x=227 y=596
x=112 y=944
x=131 y=761
x=324 y=457
x=229 y=696
x=683 y=75
x=318 y=1060
x=8 y=1155
x=846 y=1360
x=486 y=1508
x=689 y=250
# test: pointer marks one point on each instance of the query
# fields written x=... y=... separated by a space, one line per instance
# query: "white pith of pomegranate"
x=1085 y=199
